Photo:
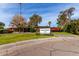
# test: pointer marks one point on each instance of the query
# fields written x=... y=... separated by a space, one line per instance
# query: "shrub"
x=72 y=27
x=32 y=30
x=1 y=31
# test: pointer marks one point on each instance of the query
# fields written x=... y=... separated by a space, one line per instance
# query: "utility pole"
x=20 y=8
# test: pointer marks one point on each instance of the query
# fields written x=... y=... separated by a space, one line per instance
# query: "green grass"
x=62 y=34
x=15 y=37
x=9 y=38
x=65 y=33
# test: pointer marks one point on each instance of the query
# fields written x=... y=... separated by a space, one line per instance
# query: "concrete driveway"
x=56 y=46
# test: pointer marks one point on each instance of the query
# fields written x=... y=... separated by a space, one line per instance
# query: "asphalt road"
x=57 y=46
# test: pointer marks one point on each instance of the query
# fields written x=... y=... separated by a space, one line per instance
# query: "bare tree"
x=19 y=22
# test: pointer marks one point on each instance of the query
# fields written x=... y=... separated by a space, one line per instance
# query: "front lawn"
x=15 y=37
x=9 y=38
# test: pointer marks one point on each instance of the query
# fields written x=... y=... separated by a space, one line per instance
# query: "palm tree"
x=49 y=23
x=35 y=20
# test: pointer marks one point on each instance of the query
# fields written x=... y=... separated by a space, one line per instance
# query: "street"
x=55 y=46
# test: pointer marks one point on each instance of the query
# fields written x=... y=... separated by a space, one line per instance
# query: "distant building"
x=12 y=28
x=55 y=29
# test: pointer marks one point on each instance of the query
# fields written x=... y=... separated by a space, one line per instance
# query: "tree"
x=35 y=20
x=2 y=25
x=70 y=12
x=73 y=26
x=49 y=23
x=65 y=17
x=19 y=22
x=62 y=19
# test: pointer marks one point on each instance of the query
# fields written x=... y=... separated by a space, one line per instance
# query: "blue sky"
x=48 y=11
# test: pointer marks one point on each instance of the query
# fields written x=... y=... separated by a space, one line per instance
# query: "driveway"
x=55 y=46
